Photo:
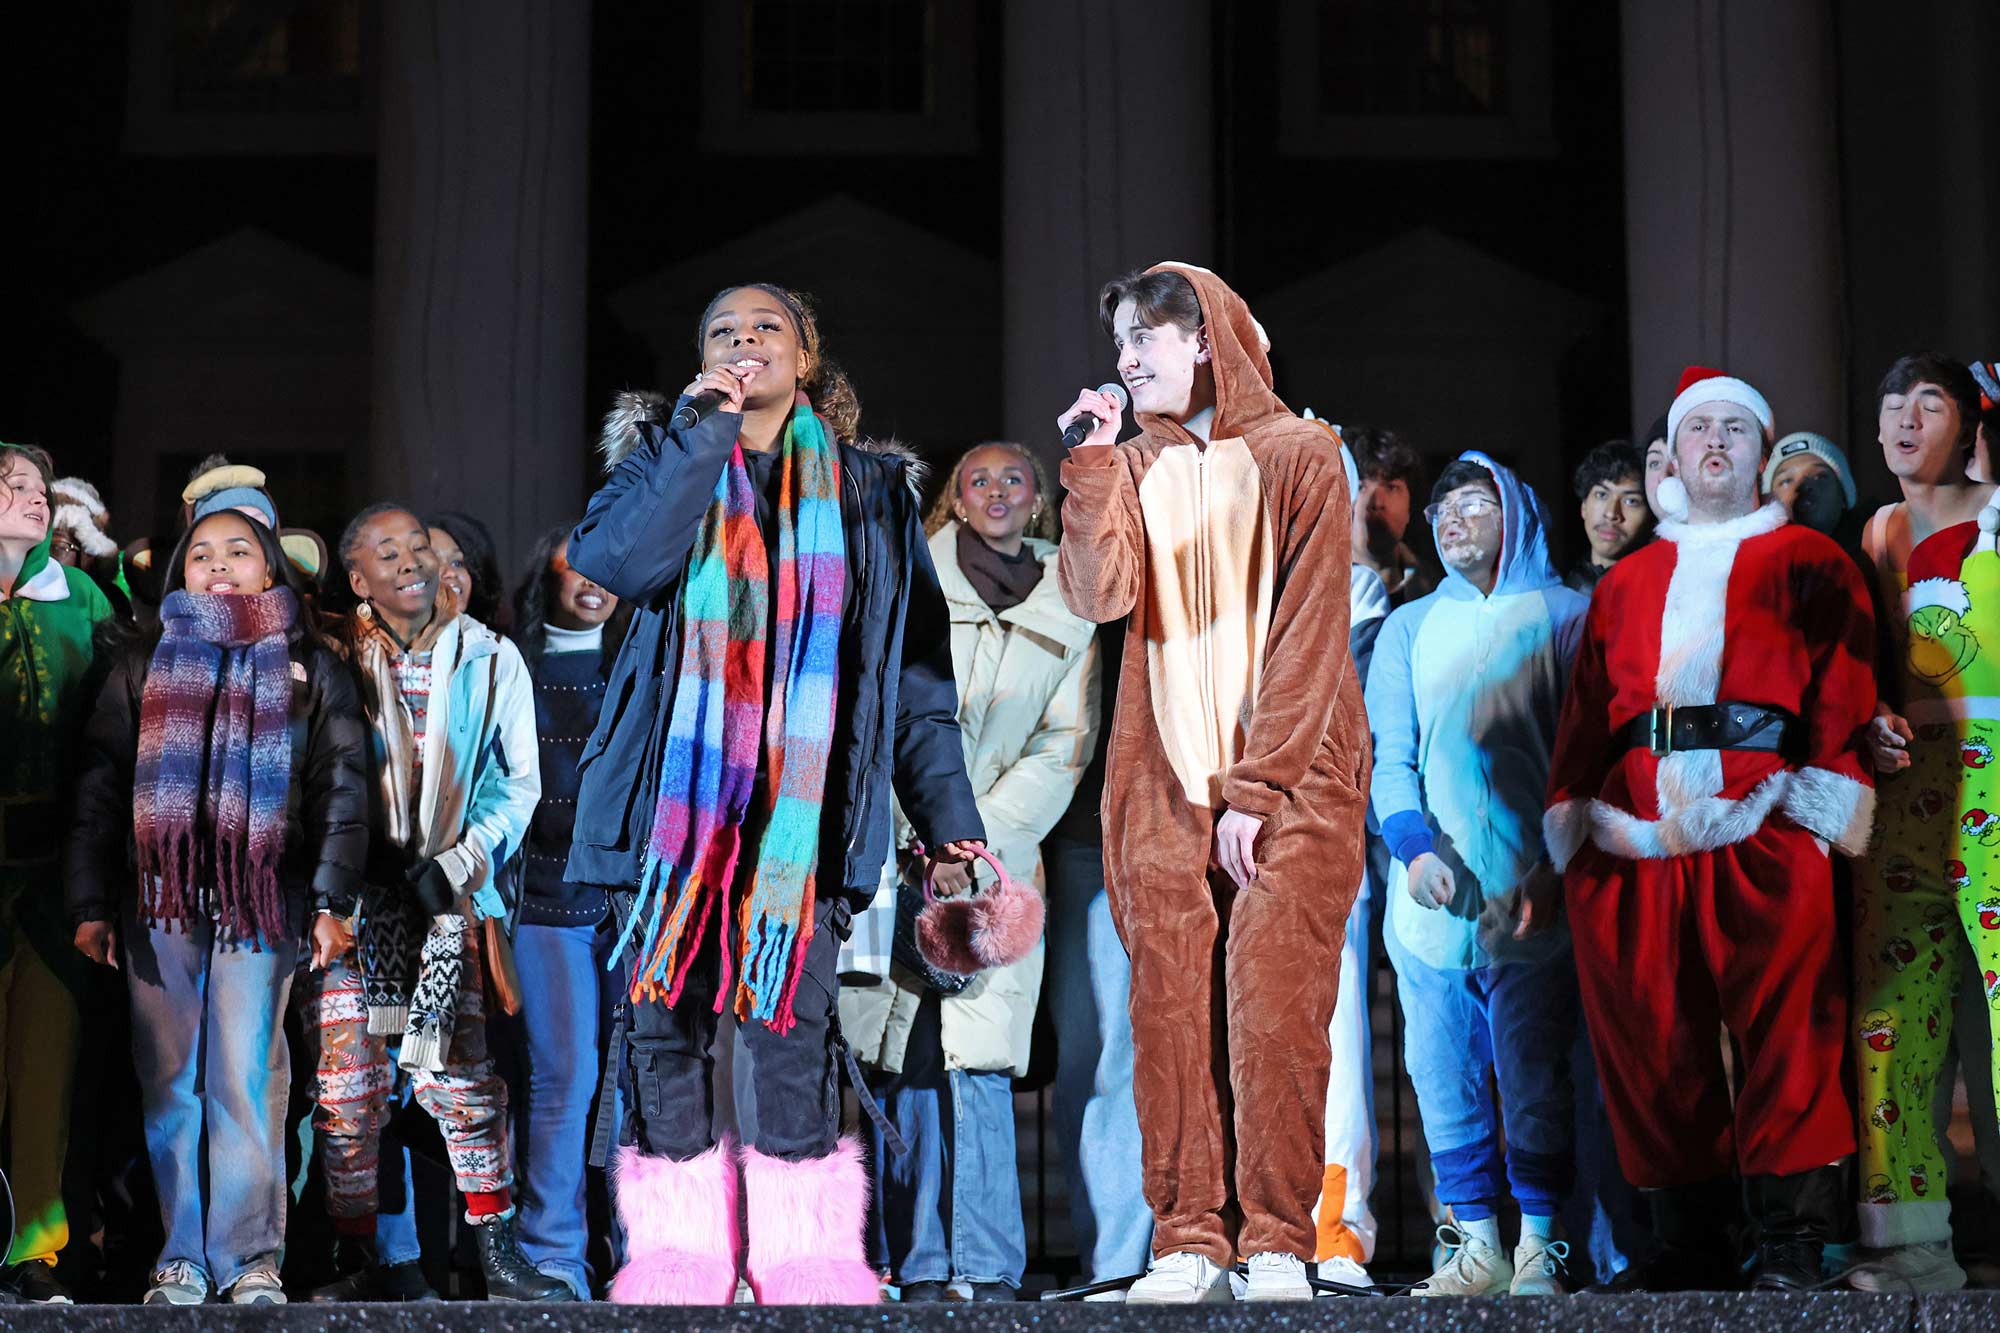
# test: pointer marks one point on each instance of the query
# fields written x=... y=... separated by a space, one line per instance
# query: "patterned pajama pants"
x=1928 y=890
x=357 y=1070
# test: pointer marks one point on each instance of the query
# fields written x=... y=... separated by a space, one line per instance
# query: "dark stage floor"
x=1832 y=1312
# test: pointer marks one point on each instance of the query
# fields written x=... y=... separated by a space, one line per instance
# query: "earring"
x=366 y=611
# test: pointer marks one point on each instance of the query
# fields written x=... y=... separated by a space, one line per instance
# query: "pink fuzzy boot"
x=680 y=1229
x=806 y=1223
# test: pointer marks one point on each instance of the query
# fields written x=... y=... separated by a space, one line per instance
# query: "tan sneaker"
x=1471 y=1268
x=1541 y=1267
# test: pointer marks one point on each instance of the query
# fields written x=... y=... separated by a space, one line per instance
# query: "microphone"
x=1083 y=425
x=698 y=408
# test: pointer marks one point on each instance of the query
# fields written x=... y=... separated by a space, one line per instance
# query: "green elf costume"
x=46 y=622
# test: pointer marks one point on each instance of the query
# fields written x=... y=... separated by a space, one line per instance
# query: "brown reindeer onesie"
x=1231 y=558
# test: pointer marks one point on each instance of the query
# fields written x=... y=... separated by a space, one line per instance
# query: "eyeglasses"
x=1471 y=507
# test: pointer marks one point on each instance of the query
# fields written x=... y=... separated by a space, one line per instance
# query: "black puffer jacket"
x=896 y=719
x=326 y=810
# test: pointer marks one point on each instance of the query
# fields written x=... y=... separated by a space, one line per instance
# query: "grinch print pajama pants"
x=1926 y=892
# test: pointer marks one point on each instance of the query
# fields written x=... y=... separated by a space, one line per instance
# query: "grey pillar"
x=1732 y=202
x=480 y=242
x=1109 y=150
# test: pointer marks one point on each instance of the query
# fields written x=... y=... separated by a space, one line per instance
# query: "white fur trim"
x=1701 y=826
x=1672 y=497
x=1947 y=593
x=1741 y=528
x=1717 y=389
x=1834 y=806
x=1565 y=825
x=83 y=523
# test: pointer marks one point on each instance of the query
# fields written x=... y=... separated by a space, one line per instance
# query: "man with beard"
x=1706 y=762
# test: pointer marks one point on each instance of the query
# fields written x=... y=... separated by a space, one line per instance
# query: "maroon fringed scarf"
x=215 y=762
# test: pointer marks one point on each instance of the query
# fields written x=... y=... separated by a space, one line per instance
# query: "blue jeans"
x=557 y=1036
x=1519 y=1020
x=208 y=1040
x=951 y=1205
x=1097 y=1126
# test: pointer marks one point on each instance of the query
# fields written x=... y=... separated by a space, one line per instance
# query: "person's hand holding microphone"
x=1095 y=417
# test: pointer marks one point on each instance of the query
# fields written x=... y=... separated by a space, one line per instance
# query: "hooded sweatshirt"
x=1464 y=695
x=1227 y=545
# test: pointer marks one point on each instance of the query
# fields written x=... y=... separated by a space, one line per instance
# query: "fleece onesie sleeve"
x=1102 y=558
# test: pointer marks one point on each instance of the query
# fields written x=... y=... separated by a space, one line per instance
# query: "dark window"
x=267 y=56
x=1413 y=57
x=838 y=56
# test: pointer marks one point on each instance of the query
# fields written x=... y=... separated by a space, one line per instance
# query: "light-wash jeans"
x=1096 y=1123
x=208 y=1040
x=1518 y=1020
x=951 y=1205
x=556 y=1034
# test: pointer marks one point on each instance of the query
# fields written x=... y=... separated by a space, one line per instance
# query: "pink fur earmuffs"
x=992 y=927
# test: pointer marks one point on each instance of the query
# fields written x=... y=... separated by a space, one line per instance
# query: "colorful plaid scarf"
x=215 y=762
x=720 y=713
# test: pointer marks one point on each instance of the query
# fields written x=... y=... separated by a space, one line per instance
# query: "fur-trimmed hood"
x=633 y=408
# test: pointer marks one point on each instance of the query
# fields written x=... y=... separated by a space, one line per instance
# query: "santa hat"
x=1704 y=384
x=79 y=509
x=1805 y=442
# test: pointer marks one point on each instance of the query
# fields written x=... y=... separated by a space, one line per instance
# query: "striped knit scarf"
x=215 y=762
x=720 y=713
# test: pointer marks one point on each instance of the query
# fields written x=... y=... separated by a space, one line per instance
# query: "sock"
x=488 y=1205
x=1543 y=1228
x=1483 y=1228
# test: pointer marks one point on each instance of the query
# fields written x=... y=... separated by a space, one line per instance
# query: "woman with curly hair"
x=1026 y=669
x=738 y=809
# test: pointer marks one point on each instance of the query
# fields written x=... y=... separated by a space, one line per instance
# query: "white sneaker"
x=1277 y=1277
x=259 y=1286
x=1471 y=1268
x=1541 y=1267
x=1345 y=1271
x=1927 y=1266
x=1181 y=1278
x=178 y=1283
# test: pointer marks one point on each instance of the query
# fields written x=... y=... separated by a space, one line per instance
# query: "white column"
x=480 y=242
x=1109 y=150
x=1732 y=202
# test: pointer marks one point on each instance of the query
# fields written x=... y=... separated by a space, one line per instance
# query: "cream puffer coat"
x=1028 y=708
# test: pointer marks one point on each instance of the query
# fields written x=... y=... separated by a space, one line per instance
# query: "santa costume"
x=1705 y=764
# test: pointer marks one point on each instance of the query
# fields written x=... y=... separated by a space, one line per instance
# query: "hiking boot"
x=509 y=1275
x=177 y=1283
x=1277 y=1277
x=1471 y=1268
x=1541 y=1267
x=1181 y=1278
x=1794 y=1216
x=378 y=1282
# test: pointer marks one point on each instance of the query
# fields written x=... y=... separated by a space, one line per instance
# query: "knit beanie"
x=1805 y=442
x=76 y=506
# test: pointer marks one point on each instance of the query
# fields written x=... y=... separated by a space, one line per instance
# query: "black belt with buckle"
x=1669 y=730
